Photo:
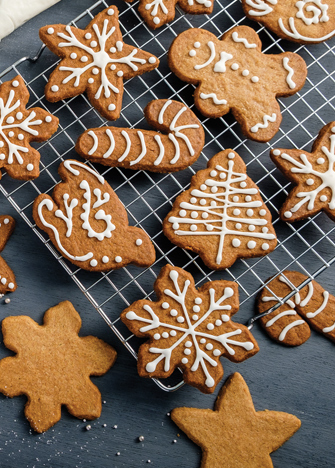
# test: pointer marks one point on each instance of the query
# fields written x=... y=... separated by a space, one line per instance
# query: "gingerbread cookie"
x=20 y=126
x=235 y=435
x=88 y=224
x=95 y=60
x=145 y=149
x=314 y=175
x=53 y=365
x=222 y=217
x=7 y=277
x=233 y=74
x=189 y=328
x=312 y=304
x=303 y=21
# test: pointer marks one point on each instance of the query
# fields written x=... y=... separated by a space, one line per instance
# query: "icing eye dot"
x=193 y=227
x=156 y=20
x=202 y=201
x=19 y=115
x=196 y=308
x=118 y=259
x=251 y=228
x=234 y=66
x=323 y=198
x=105 y=259
x=173 y=333
x=88 y=36
x=165 y=305
x=182 y=213
x=93 y=263
x=243 y=184
x=20 y=136
x=194 y=214
x=198 y=300
x=197 y=45
x=236 y=212
x=195 y=317
x=276 y=152
x=251 y=244
x=192 y=53
x=93 y=44
x=187 y=352
x=236 y=242
x=91 y=80
x=209 y=346
x=180 y=319
x=111 y=107
x=50 y=30
x=15 y=83
x=265 y=246
x=218 y=323
x=95 y=71
x=248 y=198
x=231 y=155
x=113 y=50
x=255 y=79
x=30 y=167
x=139 y=242
x=184 y=360
x=203 y=187
x=11 y=134
x=54 y=88
x=262 y=212
x=110 y=12
x=245 y=72
x=320 y=160
x=216 y=352
x=173 y=312
x=48 y=118
x=2 y=157
x=10 y=120
x=210 y=326
x=250 y=212
x=188 y=344
x=120 y=73
x=204 y=215
x=309 y=181
x=238 y=226
x=265 y=230
x=193 y=200
x=84 y=58
x=213 y=173
x=73 y=55
x=157 y=336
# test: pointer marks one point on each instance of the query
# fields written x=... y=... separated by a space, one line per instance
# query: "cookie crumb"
x=141 y=438
x=115 y=426
x=88 y=427
x=118 y=453
x=7 y=301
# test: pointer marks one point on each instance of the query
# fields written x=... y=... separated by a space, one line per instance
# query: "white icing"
x=244 y=41
x=290 y=70
x=288 y=327
x=214 y=97
x=220 y=66
x=260 y=6
x=265 y=123
x=211 y=58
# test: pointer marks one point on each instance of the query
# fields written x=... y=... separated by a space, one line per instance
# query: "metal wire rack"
x=306 y=246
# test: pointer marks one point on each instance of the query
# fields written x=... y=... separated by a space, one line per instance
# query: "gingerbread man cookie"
x=233 y=74
x=95 y=60
x=7 y=277
x=314 y=174
x=189 y=328
x=303 y=21
x=145 y=149
x=88 y=224
x=312 y=304
x=222 y=217
x=53 y=365
x=18 y=127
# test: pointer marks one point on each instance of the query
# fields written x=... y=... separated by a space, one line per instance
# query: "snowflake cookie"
x=314 y=175
x=189 y=328
x=233 y=74
x=145 y=149
x=18 y=127
x=53 y=365
x=312 y=303
x=303 y=21
x=95 y=60
x=7 y=277
x=222 y=217
x=235 y=435
x=88 y=224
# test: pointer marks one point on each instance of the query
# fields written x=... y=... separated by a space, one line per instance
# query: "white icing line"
x=214 y=97
x=320 y=309
x=262 y=7
x=211 y=58
x=126 y=152
x=290 y=70
x=112 y=144
x=244 y=41
x=288 y=328
x=161 y=150
x=296 y=35
x=95 y=142
x=277 y=317
x=329 y=329
x=144 y=149
x=265 y=124
x=177 y=149
x=69 y=163
x=163 y=109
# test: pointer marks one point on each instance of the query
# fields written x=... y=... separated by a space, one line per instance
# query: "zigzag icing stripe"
x=265 y=124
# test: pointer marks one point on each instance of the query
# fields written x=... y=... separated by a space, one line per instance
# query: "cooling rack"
x=306 y=246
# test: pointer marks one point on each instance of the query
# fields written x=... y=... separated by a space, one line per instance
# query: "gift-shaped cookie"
x=222 y=217
x=303 y=21
x=7 y=277
x=314 y=175
x=88 y=224
x=312 y=304
x=189 y=328
x=95 y=60
x=233 y=74
x=145 y=149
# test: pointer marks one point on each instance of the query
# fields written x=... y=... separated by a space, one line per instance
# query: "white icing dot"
x=192 y=53
x=48 y=118
x=288 y=214
x=88 y=35
x=234 y=66
x=262 y=212
x=207 y=3
x=111 y=107
x=139 y=242
x=276 y=152
x=248 y=198
x=157 y=336
x=173 y=333
x=110 y=12
x=203 y=187
x=255 y=79
x=50 y=30
x=95 y=71
x=93 y=44
x=333 y=129
x=120 y=73
x=113 y=50
x=194 y=214
x=236 y=212
x=20 y=136
x=93 y=263
x=213 y=173
x=210 y=326
x=118 y=259
x=1 y=144
x=30 y=167
x=173 y=312
x=195 y=317
x=204 y=215
x=245 y=72
x=10 y=120
x=231 y=155
x=218 y=323
x=225 y=318
x=196 y=308
x=2 y=157
x=175 y=226
x=197 y=45
x=165 y=305
x=202 y=341
x=243 y=184
x=202 y=201
x=193 y=227
x=251 y=244
x=73 y=55
x=11 y=285
x=265 y=246
x=6 y=221
x=15 y=83
x=91 y=80
x=11 y=134
x=213 y=203
x=250 y=212
x=188 y=344
x=216 y=352
x=193 y=200
x=320 y=160
x=209 y=227
x=105 y=259
x=3 y=280
x=323 y=198
x=235 y=198
x=184 y=360
x=182 y=213
x=165 y=335
x=180 y=319
x=19 y=115
x=209 y=346
x=152 y=60
x=198 y=300
x=236 y=242
x=54 y=88
x=156 y=20
x=84 y=59
x=222 y=175
x=251 y=228
x=310 y=181
x=238 y=226
x=187 y=352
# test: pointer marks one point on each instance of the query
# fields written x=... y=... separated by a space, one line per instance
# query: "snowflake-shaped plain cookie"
x=233 y=74
x=18 y=127
x=95 y=60
x=189 y=328
x=314 y=174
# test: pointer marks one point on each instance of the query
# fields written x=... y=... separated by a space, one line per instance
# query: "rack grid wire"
x=306 y=246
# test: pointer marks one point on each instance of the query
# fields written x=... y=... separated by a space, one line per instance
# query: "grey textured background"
x=299 y=381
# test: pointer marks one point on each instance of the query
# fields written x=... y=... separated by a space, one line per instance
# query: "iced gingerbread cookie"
x=222 y=217
x=146 y=149
x=7 y=277
x=312 y=304
x=88 y=224
x=235 y=435
x=303 y=21
x=95 y=60
x=314 y=176
x=189 y=328
x=53 y=365
x=20 y=126
x=233 y=74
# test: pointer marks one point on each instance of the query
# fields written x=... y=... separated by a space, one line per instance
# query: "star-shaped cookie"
x=53 y=365
x=95 y=60
x=314 y=174
x=233 y=74
x=7 y=277
x=234 y=435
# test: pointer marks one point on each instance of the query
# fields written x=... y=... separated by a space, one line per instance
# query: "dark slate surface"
x=299 y=381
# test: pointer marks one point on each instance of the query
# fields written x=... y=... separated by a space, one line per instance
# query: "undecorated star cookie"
x=189 y=328
x=314 y=176
x=222 y=217
x=233 y=74
x=312 y=304
x=235 y=435
x=20 y=126
x=53 y=365
x=177 y=149
x=95 y=60
x=303 y=21
x=7 y=277
x=88 y=224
